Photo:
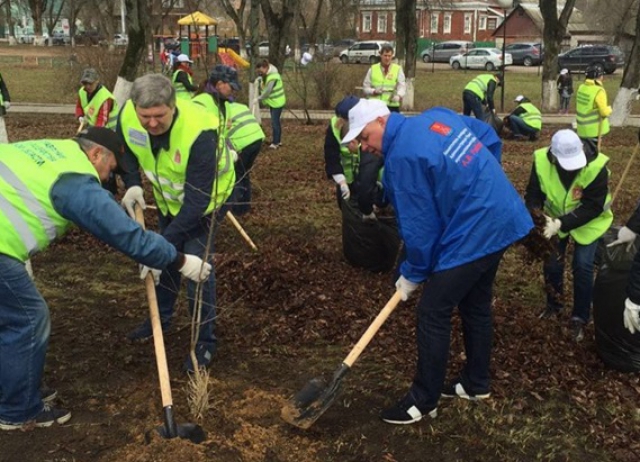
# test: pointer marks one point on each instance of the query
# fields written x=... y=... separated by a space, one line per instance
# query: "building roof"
x=576 y=24
x=197 y=19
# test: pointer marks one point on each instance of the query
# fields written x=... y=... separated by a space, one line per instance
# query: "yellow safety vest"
x=532 y=117
x=181 y=90
x=350 y=161
x=387 y=82
x=587 y=113
x=480 y=85
x=92 y=107
x=276 y=98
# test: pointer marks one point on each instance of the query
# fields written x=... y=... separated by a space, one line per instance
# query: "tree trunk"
x=12 y=26
x=407 y=44
x=138 y=24
x=237 y=18
x=630 y=81
x=278 y=25
x=37 y=8
x=553 y=32
x=254 y=22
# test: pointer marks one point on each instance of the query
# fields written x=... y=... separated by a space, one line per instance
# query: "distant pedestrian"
x=273 y=96
x=565 y=90
x=479 y=92
x=592 y=107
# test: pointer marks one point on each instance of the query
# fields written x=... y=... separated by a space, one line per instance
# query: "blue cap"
x=227 y=74
x=344 y=106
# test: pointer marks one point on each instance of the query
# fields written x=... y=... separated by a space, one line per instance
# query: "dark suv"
x=526 y=53
x=607 y=57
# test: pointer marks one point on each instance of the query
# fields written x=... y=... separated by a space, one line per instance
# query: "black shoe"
x=577 y=330
x=548 y=313
x=455 y=389
x=47 y=395
x=406 y=412
x=204 y=355
x=534 y=136
x=47 y=417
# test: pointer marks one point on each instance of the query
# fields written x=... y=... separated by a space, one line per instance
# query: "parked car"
x=367 y=51
x=481 y=58
x=58 y=38
x=442 y=52
x=321 y=50
x=342 y=44
x=607 y=57
x=526 y=53
x=263 y=49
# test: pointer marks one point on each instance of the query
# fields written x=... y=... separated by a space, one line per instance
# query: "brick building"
x=442 y=20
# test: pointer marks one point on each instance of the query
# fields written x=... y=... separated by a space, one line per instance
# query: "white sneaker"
x=273 y=146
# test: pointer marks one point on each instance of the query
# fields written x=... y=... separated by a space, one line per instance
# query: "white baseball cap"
x=182 y=58
x=363 y=113
x=564 y=71
x=519 y=98
x=567 y=147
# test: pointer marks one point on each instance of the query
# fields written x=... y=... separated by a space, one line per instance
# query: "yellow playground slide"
x=235 y=57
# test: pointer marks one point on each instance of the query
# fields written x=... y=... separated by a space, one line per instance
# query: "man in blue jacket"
x=457 y=214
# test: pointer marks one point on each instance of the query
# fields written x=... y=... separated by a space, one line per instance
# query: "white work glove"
x=396 y=99
x=133 y=196
x=377 y=91
x=195 y=269
x=552 y=227
x=369 y=217
x=29 y=268
x=344 y=191
x=625 y=236
x=630 y=316
x=234 y=155
x=406 y=287
x=7 y=104
x=144 y=270
x=81 y=120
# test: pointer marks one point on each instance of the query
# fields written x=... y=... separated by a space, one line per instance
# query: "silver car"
x=363 y=52
x=443 y=51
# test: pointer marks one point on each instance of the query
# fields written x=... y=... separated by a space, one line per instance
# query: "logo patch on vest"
x=576 y=193
x=137 y=137
x=177 y=157
x=440 y=128
x=91 y=111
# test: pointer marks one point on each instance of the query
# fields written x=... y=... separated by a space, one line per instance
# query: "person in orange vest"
x=385 y=80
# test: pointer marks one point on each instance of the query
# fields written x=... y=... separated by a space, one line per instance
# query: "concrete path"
x=33 y=108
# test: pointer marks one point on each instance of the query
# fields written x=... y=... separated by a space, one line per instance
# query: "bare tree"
x=37 y=7
x=237 y=16
x=554 y=30
x=311 y=30
x=278 y=25
x=74 y=8
x=51 y=18
x=138 y=26
x=407 y=44
x=630 y=80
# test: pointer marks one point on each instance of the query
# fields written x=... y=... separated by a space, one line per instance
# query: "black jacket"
x=593 y=199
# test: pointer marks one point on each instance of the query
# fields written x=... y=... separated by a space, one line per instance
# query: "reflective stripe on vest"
x=277 y=97
x=560 y=202
x=92 y=108
x=480 y=85
x=587 y=114
x=244 y=127
x=385 y=82
x=167 y=170
x=349 y=161
x=532 y=117
x=28 y=171
x=181 y=90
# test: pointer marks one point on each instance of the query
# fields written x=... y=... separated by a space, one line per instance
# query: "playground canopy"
x=197 y=19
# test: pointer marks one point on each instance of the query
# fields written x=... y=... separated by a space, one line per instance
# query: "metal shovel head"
x=313 y=400
x=188 y=431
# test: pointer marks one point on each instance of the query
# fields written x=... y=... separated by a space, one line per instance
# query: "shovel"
x=316 y=396
x=170 y=429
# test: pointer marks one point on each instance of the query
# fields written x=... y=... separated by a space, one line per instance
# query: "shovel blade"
x=188 y=431
x=313 y=400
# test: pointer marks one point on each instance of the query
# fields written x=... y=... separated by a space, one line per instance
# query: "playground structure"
x=200 y=49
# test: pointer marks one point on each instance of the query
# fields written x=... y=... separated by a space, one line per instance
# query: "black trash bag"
x=493 y=120
x=371 y=244
x=618 y=349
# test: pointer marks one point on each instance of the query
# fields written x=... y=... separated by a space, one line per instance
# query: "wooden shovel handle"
x=373 y=329
x=241 y=230
x=156 y=325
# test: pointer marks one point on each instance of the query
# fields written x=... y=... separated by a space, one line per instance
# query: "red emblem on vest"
x=177 y=158
x=576 y=193
x=440 y=128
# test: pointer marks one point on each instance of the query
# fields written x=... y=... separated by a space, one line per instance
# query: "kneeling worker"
x=525 y=120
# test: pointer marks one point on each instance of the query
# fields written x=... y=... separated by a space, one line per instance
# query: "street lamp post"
x=504 y=4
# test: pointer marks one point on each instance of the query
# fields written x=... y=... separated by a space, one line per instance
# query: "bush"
x=106 y=62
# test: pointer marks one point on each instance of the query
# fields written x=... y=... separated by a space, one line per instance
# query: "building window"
x=382 y=23
x=482 y=23
x=434 y=23
x=366 y=22
x=446 y=24
x=491 y=23
x=467 y=23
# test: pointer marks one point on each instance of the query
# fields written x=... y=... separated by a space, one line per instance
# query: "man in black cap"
x=45 y=187
x=96 y=106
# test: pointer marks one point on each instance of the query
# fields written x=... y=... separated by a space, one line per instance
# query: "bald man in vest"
x=570 y=184
x=386 y=81
x=45 y=187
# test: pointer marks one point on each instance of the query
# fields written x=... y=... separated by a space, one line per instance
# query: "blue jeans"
x=241 y=197
x=25 y=326
x=519 y=127
x=471 y=103
x=469 y=287
x=169 y=287
x=582 y=265
x=276 y=128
